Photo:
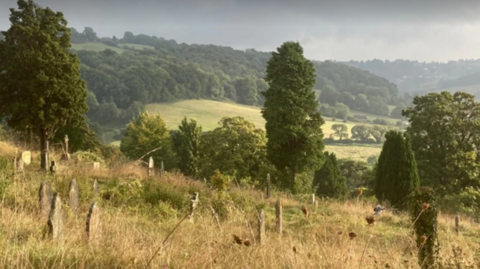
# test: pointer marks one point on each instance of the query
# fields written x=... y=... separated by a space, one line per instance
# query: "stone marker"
x=45 y=198
x=457 y=225
x=27 y=157
x=151 y=166
x=268 y=186
x=162 y=169
x=56 y=220
x=53 y=167
x=313 y=199
x=261 y=227
x=193 y=203
x=20 y=165
x=279 y=217
x=94 y=227
x=73 y=195
x=96 y=189
x=66 y=155
x=96 y=165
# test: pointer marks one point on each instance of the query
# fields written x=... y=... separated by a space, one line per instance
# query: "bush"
x=381 y=122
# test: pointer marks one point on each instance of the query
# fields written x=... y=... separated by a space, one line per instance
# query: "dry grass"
x=133 y=231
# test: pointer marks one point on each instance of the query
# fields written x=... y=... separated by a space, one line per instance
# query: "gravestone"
x=151 y=166
x=261 y=227
x=53 y=167
x=162 y=170
x=96 y=189
x=45 y=198
x=66 y=155
x=193 y=203
x=96 y=165
x=27 y=157
x=94 y=227
x=268 y=186
x=279 y=217
x=73 y=195
x=20 y=165
x=56 y=220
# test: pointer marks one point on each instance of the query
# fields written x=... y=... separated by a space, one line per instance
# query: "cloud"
x=426 y=30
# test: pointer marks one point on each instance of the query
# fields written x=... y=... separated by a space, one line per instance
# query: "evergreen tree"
x=396 y=175
x=329 y=180
x=293 y=121
x=186 y=144
x=40 y=85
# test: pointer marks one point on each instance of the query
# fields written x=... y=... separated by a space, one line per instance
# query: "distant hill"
x=125 y=74
x=420 y=77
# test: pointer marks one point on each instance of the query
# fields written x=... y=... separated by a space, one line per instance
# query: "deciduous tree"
x=186 y=144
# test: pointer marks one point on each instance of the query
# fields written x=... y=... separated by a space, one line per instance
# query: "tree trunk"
x=44 y=150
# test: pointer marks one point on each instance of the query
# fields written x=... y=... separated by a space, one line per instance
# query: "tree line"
x=119 y=84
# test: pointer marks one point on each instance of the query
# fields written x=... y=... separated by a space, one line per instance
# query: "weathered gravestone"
x=261 y=227
x=96 y=165
x=279 y=216
x=66 y=155
x=73 y=195
x=162 y=169
x=268 y=186
x=193 y=204
x=56 y=220
x=53 y=167
x=94 y=227
x=20 y=165
x=27 y=157
x=151 y=166
x=45 y=198
x=96 y=189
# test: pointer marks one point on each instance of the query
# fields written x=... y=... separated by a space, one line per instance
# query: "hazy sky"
x=424 y=30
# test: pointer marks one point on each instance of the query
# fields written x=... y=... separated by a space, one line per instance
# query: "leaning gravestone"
x=56 y=220
x=94 y=228
x=151 y=166
x=96 y=165
x=73 y=195
x=45 y=198
x=26 y=157
x=20 y=165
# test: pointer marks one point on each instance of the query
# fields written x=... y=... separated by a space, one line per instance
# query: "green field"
x=208 y=113
x=101 y=47
x=95 y=47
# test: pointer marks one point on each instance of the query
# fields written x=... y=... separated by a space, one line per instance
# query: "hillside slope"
x=138 y=213
x=138 y=70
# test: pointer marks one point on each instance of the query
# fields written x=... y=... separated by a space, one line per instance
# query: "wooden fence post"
x=268 y=186
x=457 y=225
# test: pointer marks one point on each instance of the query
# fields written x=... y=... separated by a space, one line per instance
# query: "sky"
x=341 y=30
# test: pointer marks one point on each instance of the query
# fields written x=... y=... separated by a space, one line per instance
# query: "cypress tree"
x=293 y=121
x=396 y=174
x=329 y=180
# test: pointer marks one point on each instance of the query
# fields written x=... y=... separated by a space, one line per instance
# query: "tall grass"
x=139 y=212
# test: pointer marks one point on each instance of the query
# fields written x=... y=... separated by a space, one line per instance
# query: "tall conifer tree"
x=293 y=121
x=396 y=174
x=329 y=180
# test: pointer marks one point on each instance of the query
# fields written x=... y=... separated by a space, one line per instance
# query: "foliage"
x=329 y=180
x=396 y=174
x=303 y=183
x=340 y=131
x=40 y=86
x=148 y=132
x=236 y=149
x=79 y=138
x=445 y=134
x=355 y=172
x=220 y=182
x=186 y=144
x=423 y=212
x=293 y=123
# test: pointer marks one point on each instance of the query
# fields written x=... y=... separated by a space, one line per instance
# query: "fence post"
x=279 y=215
x=261 y=227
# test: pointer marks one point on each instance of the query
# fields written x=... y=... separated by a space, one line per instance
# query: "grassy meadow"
x=208 y=113
x=138 y=213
